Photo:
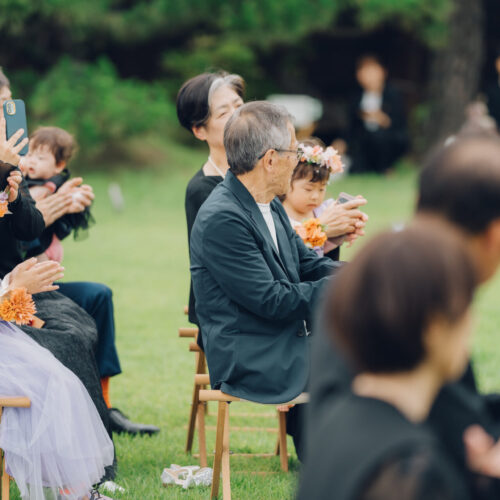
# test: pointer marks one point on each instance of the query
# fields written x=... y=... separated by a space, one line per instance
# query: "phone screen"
x=344 y=198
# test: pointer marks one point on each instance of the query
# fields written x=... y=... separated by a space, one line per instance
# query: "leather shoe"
x=119 y=424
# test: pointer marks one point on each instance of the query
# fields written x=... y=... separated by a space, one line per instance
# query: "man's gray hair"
x=253 y=129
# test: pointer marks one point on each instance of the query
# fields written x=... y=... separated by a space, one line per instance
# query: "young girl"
x=324 y=225
x=59 y=444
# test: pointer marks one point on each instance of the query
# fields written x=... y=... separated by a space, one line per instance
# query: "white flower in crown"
x=329 y=157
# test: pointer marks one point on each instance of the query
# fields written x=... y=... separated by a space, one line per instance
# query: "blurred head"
x=415 y=288
x=50 y=150
x=461 y=184
x=5 y=93
x=206 y=102
x=260 y=137
x=370 y=73
x=308 y=183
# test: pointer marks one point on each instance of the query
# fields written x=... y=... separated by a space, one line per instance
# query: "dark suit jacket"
x=252 y=302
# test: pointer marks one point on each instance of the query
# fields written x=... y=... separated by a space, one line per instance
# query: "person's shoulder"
x=202 y=181
x=219 y=208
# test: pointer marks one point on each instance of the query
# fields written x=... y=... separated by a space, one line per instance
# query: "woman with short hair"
x=204 y=105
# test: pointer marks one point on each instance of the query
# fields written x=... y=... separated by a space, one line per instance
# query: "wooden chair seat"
x=222 y=453
x=9 y=402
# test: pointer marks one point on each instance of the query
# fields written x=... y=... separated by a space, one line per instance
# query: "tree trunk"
x=455 y=72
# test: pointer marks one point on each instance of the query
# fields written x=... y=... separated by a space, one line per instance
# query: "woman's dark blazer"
x=251 y=300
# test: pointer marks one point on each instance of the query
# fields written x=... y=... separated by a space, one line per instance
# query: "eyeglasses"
x=297 y=152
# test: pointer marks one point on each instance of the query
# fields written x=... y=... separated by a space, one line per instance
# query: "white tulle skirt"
x=58 y=443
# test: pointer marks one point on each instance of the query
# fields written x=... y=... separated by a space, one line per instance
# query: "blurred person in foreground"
x=255 y=282
x=377 y=134
x=461 y=185
x=414 y=288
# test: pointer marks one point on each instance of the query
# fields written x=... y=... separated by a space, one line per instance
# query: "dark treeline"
x=110 y=69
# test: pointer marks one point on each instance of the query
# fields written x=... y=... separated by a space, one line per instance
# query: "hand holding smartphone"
x=14 y=112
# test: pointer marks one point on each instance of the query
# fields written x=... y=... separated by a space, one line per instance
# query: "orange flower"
x=312 y=233
x=3 y=208
x=18 y=306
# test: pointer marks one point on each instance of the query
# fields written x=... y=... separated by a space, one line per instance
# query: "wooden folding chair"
x=199 y=409
x=221 y=459
x=8 y=402
x=196 y=406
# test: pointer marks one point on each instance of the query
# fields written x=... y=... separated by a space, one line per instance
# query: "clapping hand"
x=13 y=181
x=36 y=276
x=482 y=452
x=82 y=195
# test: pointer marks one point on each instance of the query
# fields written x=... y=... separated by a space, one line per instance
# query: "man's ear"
x=200 y=133
x=269 y=159
x=60 y=166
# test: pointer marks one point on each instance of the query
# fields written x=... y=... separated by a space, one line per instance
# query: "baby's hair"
x=60 y=143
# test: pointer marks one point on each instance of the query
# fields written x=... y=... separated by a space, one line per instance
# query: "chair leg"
x=202 y=441
x=194 y=405
x=282 y=441
x=219 y=439
x=226 y=470
x=4 y=477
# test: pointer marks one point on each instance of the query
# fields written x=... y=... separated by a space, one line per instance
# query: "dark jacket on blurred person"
x=400 y=459
x=252 y=301
x=493 y=94
x=376 y=149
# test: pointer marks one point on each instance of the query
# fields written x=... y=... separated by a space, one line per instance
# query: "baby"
x=306 y=199
x=45 y=169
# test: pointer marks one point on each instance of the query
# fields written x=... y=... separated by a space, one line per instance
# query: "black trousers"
x=97 y=300
x=295 y=427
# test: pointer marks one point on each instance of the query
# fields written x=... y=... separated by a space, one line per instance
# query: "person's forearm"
x=26 y=221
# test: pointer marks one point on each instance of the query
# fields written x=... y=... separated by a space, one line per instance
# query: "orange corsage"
x=18 y=306
x=4 y=203
x=312 y=233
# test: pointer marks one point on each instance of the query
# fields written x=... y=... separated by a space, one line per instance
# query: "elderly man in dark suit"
x=255 y=282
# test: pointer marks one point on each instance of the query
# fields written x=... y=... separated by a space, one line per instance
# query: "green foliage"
x=426 y=18
x=164 y=42
x=91 y=101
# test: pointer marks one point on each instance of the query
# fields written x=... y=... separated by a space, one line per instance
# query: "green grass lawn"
x=141 y=253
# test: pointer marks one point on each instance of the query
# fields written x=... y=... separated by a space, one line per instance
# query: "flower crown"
x=316 y=155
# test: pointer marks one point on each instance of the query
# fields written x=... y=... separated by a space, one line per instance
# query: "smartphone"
x=344 y=198
x=14 y=112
